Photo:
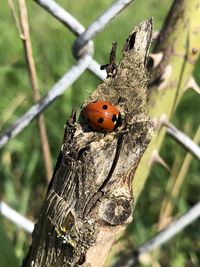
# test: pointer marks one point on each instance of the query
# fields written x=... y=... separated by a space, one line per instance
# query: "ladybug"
x=102 y=116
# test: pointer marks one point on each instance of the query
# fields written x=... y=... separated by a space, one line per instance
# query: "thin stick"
x=15 y=17
x=34 y=84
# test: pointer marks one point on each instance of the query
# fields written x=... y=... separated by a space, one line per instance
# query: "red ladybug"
x=102 y=116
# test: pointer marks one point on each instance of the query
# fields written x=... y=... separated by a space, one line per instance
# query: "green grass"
x=22 y=168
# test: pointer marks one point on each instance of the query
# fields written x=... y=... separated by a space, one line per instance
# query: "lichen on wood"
x=90 y=200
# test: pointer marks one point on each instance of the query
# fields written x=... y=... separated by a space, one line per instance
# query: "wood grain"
x=89 y=199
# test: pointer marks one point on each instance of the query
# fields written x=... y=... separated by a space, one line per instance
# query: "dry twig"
x=23 y=27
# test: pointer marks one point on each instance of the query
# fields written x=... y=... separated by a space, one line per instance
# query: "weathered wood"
x=89 y=200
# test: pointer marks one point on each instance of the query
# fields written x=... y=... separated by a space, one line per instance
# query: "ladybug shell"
x=102 y=116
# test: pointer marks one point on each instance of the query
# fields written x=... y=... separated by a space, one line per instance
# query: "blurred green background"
x=22 y=174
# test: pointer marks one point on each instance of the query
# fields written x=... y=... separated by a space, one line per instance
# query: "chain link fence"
x=83 y=50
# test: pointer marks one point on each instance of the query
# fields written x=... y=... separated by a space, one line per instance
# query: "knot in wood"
x=116 y=210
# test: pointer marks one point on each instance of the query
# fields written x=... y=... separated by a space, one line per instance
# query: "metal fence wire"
x=83 y=50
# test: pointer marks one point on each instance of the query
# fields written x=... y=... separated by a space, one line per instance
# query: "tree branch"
x=89 y=200
x=176 y=41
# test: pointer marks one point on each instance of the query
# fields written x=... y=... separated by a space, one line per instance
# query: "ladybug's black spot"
x=100 y=120
x=105 y=107
x=114 y=117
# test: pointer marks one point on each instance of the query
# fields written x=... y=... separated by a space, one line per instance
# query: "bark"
x=89 y=199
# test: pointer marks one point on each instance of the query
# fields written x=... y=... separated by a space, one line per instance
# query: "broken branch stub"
x=89 y=200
